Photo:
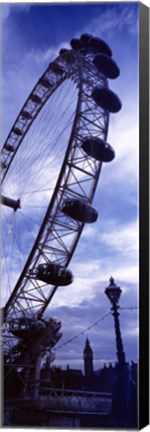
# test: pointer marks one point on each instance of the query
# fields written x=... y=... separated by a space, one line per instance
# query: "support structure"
x=113 y=293
x=120 y=396
x=9 y=202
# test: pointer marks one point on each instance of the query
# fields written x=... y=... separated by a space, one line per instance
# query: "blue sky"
x=32 y=37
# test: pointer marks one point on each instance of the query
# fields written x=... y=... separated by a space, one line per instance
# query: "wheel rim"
x=58 y=234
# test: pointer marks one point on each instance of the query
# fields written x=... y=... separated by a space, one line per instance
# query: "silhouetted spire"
x=88 y=359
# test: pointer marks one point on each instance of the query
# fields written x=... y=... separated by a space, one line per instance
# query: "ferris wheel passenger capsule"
x=76 y=44
x=56 y=67
x=55 y=324
x=26 y=114
x=54 y=274
x=63 y=51
x=25 y=328
x=35 y=98
x=17 y=131
x=45 y=83
x=106 y=66
x=80 y=210
x=55 y=338
x=98 y=149
x=107 y=99
x=68 y=56
x=9 y=148
x=85 y=38
x=98 y=45
x=3 y=165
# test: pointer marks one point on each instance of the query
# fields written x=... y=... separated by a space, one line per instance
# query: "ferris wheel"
x=50 y=165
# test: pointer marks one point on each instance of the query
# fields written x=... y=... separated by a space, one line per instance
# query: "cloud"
x=8 y=9
x=123 y=238
x=116 y=245
x=45 y=56
x=114 y=19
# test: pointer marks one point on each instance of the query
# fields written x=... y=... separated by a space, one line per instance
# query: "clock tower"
x=88 y=360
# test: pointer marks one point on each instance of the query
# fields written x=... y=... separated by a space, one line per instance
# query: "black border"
x=144 y=216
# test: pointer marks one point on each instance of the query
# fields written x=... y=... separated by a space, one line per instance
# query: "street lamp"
x=120 y=403
x=113 y=293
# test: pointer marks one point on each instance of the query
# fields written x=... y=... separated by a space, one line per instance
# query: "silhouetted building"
x=107 y=380
x=88 y=361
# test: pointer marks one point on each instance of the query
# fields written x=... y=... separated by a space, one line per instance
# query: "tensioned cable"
x=33 y=149
x=39 y=158
x=89 y=328
x=12 y=249
x=45 y=165
x=49 y=120
x=128 y=308
x=36 y=124
x=82 y=332
x=50 y=148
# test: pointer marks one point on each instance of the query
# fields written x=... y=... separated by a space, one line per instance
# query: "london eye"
x=50 y=165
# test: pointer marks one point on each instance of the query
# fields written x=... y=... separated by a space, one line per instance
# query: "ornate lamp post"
x=113 y=293
x=120 y=410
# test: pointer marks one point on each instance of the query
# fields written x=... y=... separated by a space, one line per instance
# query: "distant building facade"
x=103 y=379
x=120 y=384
